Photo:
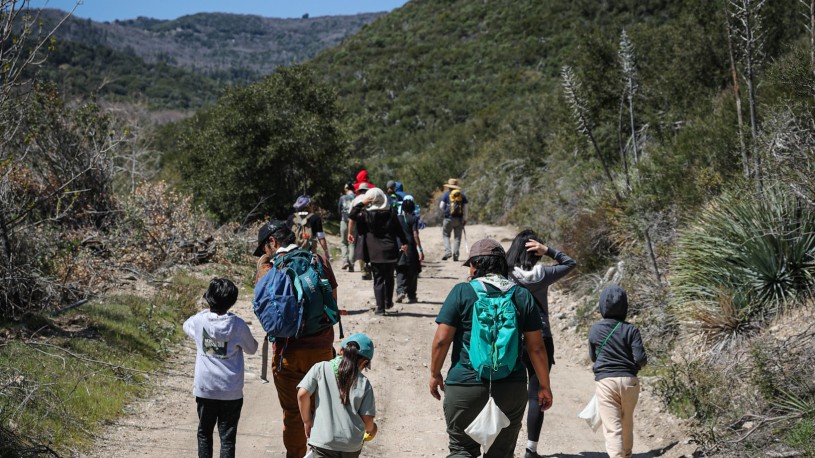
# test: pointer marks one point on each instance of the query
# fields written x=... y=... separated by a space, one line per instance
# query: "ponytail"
x=348 y=370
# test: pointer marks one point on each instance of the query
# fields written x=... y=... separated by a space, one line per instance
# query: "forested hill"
x=185 y=62
x=474 y=88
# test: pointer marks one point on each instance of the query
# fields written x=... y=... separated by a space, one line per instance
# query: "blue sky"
x=108 y=10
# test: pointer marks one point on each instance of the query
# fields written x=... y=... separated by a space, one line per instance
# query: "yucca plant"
x=745 y=260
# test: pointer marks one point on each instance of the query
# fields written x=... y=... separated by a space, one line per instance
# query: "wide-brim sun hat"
x=485 y=247
x=379 y=201
x=366 y=345
x=363 y=188
x=452 y=183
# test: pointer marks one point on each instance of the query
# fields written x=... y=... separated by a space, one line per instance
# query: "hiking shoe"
x=455 y=258
x=401 y=297
x=379 y=311
x=346 y=265
x=531 y=454
x=446 y=256
x=389 y=305
x=412 y=300
x=350 y=267
x=367 y=277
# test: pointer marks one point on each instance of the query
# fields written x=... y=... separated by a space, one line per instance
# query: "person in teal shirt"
x=345 y=405
x=465 y=392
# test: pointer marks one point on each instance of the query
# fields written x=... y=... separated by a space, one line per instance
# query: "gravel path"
x=411 y=421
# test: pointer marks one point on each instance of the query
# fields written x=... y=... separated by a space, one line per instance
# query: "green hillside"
x=184 y=63
x=230 y=48
x=80 y=70
x=438 y=88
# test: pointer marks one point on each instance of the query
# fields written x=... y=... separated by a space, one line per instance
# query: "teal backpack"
x=314 y=291
x=495 y=340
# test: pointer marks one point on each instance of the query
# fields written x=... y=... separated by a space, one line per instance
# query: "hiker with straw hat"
x=453 y=205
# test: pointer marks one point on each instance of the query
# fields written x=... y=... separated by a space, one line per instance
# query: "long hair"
x=408 y=206
x=348 y=371
x=490 y=264
x=518 y=256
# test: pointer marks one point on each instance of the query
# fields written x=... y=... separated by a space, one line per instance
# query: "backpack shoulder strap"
x=607 y=337
x=478 y=287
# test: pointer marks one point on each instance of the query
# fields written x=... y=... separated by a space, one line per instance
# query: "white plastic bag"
x=591 y=413
x=487 y=425
x=310 y=454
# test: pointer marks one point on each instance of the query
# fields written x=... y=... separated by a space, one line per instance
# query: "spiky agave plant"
x=745 y=260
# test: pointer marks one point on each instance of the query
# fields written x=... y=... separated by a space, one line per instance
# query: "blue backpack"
x=495 y=340
x=294 y=298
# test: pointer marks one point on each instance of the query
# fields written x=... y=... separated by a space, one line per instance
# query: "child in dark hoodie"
x=616 y=349
x=221 y=338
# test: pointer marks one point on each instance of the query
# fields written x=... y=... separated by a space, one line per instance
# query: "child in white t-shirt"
x=345 y=406
x=221 y=338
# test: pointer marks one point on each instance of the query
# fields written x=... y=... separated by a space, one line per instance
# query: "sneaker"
x=367 y=277
x=346 y=265
x=401 y=297
x=389 y=306
x=350 y=267
x=412 y=300
x=379 y=311
x=446 y=256
x=531 y=454
x=455 y=258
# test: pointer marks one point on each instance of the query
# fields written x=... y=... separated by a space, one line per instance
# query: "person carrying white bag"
x=484 y=403
x=616 y=349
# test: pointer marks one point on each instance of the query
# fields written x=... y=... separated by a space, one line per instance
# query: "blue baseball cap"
x=366 y=346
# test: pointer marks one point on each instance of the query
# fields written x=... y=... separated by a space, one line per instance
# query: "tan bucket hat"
x=452 y=183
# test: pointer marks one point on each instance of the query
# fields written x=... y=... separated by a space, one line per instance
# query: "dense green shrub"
x=261 y=146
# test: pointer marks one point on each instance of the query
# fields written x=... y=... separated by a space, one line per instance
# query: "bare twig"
x=89 y=360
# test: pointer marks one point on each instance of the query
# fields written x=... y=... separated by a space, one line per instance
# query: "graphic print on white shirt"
x=213 y=347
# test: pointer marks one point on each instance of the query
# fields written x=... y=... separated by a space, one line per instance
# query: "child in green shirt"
x=340 y=387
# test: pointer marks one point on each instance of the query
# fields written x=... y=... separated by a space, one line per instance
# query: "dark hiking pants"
x=226 y=415
x=462 y=403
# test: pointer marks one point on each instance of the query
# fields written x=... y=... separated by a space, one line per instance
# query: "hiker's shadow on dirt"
x=651 y=454
x=430 y=302
x=415 y=315
x=356 y=312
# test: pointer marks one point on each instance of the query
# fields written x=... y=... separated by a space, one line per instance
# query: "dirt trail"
x=411 y=422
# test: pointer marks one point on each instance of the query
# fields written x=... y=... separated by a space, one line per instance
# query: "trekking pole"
x=464 y=239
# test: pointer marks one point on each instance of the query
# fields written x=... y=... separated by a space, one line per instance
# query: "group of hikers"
x=380 y=230
x=494 y=327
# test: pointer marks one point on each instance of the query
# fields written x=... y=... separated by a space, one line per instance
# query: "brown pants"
x=295 y=365
x=616 y=399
